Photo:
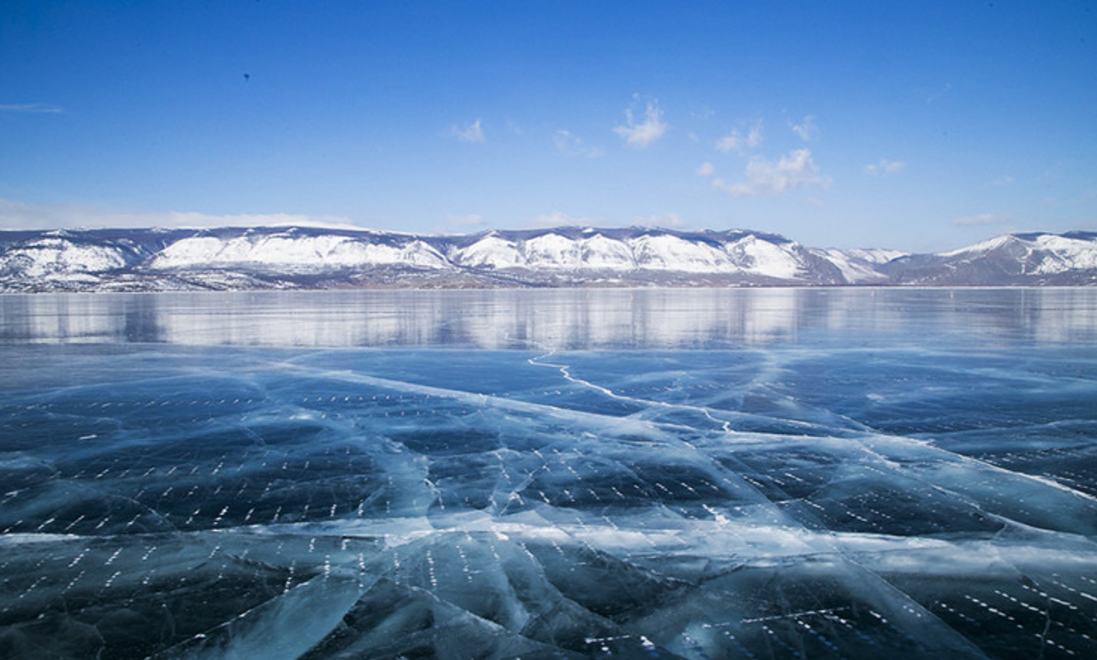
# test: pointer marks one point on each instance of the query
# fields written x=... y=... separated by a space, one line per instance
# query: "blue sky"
x=917 y=126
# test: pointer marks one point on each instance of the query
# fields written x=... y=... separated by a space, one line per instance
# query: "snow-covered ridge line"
x=295 y=257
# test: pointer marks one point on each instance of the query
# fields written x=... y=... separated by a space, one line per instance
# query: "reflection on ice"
x=559 y=319
x=778 y=501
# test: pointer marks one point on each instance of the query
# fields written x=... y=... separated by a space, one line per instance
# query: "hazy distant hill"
x=308 y=257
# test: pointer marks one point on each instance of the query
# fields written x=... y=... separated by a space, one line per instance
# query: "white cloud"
x=938 y=94
x=666 y=221
x=471 y=133
x=31 y=108
x=763 y=177
x=558 y=219
x=20 y=215
x=806 y=129
x=735 y=141
x=472 y=220
x=642 y=134
x=573 y=145
x=702 y=112
x=885 y=167
x=982 y=219
x=706 y=169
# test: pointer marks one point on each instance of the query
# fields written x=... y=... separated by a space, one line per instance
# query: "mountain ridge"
x=227 y=258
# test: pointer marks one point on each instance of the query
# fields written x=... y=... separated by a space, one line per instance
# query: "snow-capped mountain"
x=308 y=257
x=1013 y=259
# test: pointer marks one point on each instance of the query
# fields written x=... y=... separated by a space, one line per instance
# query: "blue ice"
x=808 y=491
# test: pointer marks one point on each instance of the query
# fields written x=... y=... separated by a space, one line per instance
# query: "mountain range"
x=310 y=257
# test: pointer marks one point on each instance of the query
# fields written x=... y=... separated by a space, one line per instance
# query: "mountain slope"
x=309 y=257
x=1014 y=259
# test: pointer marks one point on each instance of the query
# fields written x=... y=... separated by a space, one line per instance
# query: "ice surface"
x=875 y=475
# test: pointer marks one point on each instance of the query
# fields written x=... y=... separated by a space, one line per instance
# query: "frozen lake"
x=783 y=473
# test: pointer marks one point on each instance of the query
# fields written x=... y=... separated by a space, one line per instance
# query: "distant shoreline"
x=311 y=258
